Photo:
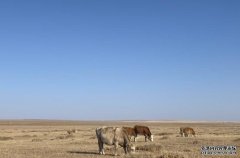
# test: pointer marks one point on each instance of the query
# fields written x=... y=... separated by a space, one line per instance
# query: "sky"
x=120 y=60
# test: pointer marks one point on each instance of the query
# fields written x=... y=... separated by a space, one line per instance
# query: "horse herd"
x=121 y=136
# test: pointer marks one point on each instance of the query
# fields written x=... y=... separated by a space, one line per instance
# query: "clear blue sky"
x=92 y=59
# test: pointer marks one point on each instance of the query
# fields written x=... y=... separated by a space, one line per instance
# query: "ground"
x=49 y=139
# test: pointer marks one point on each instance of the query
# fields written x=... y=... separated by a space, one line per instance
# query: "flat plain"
x=50 y=139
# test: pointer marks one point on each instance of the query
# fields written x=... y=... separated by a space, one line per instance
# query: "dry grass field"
x=50 y=139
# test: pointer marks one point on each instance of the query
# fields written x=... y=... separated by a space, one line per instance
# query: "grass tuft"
x=165 y=137
x=170 y=155
x=163 y=134
x=36 y=140
x=237 y=140
x=5 y=138
x=150 y=148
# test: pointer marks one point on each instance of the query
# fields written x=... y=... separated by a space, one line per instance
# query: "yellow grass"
x=51 y=139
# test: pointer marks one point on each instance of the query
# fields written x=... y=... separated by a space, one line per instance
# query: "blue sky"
x=100 y=60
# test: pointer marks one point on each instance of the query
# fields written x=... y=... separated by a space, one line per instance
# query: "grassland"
x=50 y=139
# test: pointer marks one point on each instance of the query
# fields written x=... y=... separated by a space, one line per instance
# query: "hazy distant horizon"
x=120 y=60
x=121 y=120
x=108 y=120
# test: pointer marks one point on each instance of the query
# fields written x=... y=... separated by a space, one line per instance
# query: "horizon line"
x=128 y=120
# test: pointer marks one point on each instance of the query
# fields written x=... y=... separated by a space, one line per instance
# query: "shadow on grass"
x=85 y=153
